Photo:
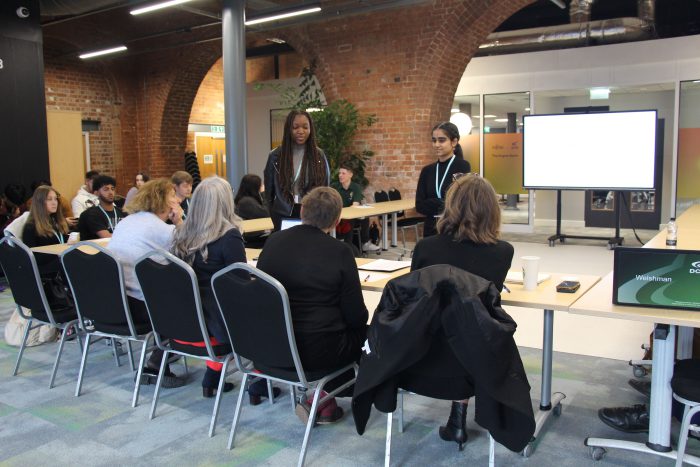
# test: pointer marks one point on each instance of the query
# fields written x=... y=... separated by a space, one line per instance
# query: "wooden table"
x=598 y=302
x=690 y=219
x=382 y=209
x=59 y=248
x=257 y=225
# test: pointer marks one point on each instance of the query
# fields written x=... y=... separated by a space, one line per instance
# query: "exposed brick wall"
x=86 y=88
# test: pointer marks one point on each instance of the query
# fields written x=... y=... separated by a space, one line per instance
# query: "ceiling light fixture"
x=463 y=123
x=490 y=116
x=282 y=14
x=501 y=120
x=97 y=53
x=454 y=110
x=157 y=6
x=276 y=40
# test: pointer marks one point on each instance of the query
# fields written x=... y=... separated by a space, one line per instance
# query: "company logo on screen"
x=695 y=267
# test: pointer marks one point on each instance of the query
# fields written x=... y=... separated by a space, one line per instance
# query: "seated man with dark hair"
x=99 y=221
x=325 y=296
x=183 y=190
x=351 y=194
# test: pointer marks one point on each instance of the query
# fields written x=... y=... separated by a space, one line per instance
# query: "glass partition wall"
x=503 y=152
x=688 y=169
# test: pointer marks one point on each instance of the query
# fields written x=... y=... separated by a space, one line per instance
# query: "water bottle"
x=671 y=232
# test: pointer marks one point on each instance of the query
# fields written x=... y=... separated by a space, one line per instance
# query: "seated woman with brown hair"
x=45 y=225
x=467 y=238
x=325 y=297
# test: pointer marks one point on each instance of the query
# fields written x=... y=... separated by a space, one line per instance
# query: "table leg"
x=549 y=403
x=385 y=234
x=394 y=230
x=659 y=440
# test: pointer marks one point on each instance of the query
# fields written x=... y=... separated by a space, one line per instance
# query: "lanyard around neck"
x=184 y=212
x=438 y=188
x=109 y=220
x=59 y=237
x=296 y=177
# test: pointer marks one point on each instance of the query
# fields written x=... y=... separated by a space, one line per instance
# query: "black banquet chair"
x=404 y=222
x=255 y=309
x=171 y=293
x=97 y=282
x=22 y=273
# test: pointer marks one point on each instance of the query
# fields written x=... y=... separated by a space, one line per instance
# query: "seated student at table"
x=435 y=179
x=144 y=230
x=183 y=189
x=467 y=238
x=250 y=205
x=351 y=194
x=100 y=221
x=320 y=276
x=209 y=241
x=85 y=198
x=45 y=225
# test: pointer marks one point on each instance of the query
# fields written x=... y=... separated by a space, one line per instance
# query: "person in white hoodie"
x=85 y=198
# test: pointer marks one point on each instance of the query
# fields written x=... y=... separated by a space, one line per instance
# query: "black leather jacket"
x=446 y=308
x=278 y=204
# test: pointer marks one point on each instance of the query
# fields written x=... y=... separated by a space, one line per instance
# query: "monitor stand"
x=612 y=241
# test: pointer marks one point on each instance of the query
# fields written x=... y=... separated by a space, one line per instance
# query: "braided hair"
x=313 y=168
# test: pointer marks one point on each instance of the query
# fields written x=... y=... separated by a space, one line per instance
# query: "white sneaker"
x=369 y=246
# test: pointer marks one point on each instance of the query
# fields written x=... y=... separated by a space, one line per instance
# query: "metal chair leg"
x=387 y=447
x=401 y=411
x=237 y=412
x=58 y=353
x=492 y=451
x=270 y=393
x=688 y=414
x=115 y=352
x=293 y=395
x=184 y=362
x=131 y=354
x=137 y=385
x=217 y=402
x=309 y=425
x=23 y=346
x=82 y=365
x=161 y=372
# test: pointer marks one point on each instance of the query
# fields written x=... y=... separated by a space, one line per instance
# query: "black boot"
x=456 y=427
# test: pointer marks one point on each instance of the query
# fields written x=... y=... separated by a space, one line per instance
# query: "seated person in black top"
x=183 y=189
x=46 y=225
x=435 y=178
x=351 y=194
x=99 y=221
x=467 y=238
x=250 y=205
x=321 y=279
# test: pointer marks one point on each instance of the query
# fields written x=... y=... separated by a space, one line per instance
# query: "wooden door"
x=66 y=151
x=211 y=156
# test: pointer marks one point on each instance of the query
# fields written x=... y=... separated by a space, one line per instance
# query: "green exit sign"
x=217 y=128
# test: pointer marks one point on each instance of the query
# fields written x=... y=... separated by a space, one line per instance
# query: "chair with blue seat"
x=255 y=309
x=22 y=273
x=96 y=279
x=171 y=294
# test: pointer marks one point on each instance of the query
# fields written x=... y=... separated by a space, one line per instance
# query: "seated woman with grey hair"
x=325 y=296
x=209 y=241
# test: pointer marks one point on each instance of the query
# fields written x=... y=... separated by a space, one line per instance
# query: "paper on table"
x=362 y=206
x=253 y=262
x=516 y=277
x=372 y=276
x=384 y=265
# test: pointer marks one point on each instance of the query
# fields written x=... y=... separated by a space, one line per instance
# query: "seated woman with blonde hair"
x=467 y=238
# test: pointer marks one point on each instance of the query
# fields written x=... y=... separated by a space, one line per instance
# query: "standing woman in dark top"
x=46 y=225
x=294 y=168
x=209 y=241
x=467 y=238
x=435 y=179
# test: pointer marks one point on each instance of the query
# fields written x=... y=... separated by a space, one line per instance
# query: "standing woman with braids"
x=294 y=168
x=435 y=179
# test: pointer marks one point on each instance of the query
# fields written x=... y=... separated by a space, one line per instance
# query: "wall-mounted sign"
x=208 y=158
x=217 y=128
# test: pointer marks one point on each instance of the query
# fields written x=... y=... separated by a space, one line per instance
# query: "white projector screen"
x=606 y=150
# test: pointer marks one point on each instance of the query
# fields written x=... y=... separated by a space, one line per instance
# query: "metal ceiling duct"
x=580 y=32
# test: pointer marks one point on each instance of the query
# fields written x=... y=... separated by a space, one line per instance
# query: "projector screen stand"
x=612 y=241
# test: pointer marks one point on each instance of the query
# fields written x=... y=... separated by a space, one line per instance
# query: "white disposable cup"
x=531 y=266
x=74 y=237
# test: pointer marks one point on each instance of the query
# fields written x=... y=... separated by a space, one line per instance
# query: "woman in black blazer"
x=320 y=275
x=467 y=238
x=45 y=225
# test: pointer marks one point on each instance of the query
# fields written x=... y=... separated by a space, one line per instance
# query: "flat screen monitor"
x=652 y=277
x=289 y=222
x=601 y=151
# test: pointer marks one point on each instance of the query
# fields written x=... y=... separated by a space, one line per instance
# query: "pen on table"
x=506 y=288
x=367 y=278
